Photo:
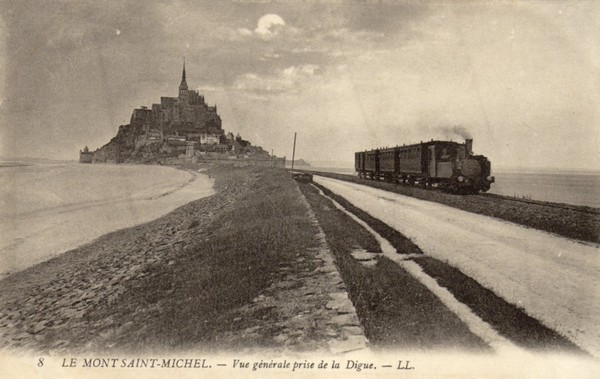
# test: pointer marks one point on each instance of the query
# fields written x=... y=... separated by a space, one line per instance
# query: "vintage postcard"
x=376 y=188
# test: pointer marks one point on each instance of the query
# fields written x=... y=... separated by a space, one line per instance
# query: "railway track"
x=576 y=222
x=575 y=208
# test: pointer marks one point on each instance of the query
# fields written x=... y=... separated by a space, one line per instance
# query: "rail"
x=576 y=208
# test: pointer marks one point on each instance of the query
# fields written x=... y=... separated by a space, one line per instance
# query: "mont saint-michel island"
x=177 y=130
x=315 y=189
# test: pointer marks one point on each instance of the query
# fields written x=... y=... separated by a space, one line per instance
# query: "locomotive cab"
x=472 y=171
x=454 y=167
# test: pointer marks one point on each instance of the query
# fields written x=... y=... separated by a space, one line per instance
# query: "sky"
x=522 y=78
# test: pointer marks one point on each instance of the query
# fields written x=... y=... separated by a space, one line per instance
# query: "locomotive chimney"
x=469 y=145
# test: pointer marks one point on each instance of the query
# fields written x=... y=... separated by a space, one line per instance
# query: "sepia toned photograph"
x=336 y=188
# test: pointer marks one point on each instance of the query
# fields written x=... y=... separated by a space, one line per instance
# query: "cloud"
x=245 y=32
x=285 y=80
x=269 y=25
x=296 y=72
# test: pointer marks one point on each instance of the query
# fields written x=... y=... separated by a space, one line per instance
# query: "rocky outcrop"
x=301 y=163
x=120 y=146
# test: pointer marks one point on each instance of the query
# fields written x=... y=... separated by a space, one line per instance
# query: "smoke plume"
x=456 y=130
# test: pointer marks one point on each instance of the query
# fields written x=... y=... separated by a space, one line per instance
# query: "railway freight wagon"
x=445 y=164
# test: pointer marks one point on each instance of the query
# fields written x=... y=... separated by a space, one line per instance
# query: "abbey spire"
x=183 y=86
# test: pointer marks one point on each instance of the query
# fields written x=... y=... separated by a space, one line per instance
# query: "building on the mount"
x=85 y=155
x=209 y=139
x=176 y=119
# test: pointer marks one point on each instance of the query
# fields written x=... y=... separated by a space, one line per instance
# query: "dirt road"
x=552 y=278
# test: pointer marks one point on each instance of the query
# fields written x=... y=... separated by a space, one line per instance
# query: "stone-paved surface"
x=48 y=307
x=314 y=312
x=45 y=307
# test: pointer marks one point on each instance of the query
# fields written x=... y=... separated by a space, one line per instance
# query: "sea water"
x=578 y=188
x=47 y=209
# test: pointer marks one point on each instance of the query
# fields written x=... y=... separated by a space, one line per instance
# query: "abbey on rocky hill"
x=175 y=117
x=178 y=127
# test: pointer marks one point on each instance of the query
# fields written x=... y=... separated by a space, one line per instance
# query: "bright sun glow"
x=266 y=22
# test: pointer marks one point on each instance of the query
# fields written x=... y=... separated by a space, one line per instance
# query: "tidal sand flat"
x=47 y=209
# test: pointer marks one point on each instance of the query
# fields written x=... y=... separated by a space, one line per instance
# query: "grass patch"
x=194 y=298
x=395 y=309
x=508 y=319
x=402 y=244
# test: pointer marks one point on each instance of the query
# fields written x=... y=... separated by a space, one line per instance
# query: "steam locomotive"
x=449 y=165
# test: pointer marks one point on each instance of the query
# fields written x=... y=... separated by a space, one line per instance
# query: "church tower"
x=183 y=87
x=184 y=99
